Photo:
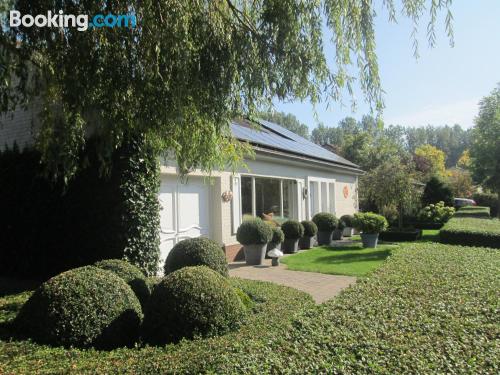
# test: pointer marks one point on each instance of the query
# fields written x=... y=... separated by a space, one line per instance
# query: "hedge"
x=430 y=308
x=471 y=231
x=49 y=227
x=198 y=251
x=473 y=211
x=487 y=199
x=189 y=302
x=82 y=307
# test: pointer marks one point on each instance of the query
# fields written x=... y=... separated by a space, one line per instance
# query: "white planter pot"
x=369 y=239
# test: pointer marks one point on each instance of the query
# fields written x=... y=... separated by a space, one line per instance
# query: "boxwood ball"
x=83 y=307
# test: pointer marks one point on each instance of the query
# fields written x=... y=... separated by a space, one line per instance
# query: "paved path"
x=320 y=286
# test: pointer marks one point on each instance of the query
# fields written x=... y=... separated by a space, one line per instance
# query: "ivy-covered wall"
x=47 y=227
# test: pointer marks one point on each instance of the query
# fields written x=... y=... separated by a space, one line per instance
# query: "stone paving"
x=320 y=286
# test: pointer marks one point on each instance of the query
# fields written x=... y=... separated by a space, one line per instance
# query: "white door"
x=184 y=211
x=321 y=196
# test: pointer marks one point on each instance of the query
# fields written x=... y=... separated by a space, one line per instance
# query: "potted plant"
x=370 y=225
x=310 y=230
x=347 y=220
x=276 y=240
x=254 y=235
x=326 y=223
x=338 y=231
x=293 y=230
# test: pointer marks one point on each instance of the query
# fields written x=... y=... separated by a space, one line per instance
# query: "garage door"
x=185 y=211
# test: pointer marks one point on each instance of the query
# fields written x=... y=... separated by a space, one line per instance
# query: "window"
x=269 y=196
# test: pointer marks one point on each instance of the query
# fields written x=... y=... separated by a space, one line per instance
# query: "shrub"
x=96 y=216
x=326 y=222
x=310 y=228
x=489 y=200
x=292 y=229
x=82 y=307
x=435 y=213
x=244 y=298
x=132 y=275
x=471 y=231
x=348 y=220
x=436 y=191
x=278 y=236
x=192 y=301
x=370 y=222
x=474 y=211
x=199 y=251
x=254 y=232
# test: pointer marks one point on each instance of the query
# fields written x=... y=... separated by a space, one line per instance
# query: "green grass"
x=350 y=260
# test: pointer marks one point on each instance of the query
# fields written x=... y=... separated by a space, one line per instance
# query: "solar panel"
x=275 y=136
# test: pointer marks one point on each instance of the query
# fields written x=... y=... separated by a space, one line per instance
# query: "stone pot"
x=306 y=242
x=369 y=239
x=348 y=231
x=255 y=254
x=337 y=234
x=324 y=237
x=290 y=246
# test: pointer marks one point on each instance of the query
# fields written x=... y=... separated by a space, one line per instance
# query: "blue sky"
x=443 y=86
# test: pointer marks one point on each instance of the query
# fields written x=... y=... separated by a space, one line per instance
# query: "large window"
x=274 y=197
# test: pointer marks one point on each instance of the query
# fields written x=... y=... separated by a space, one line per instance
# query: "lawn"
x=350 y=260
x=429 y=308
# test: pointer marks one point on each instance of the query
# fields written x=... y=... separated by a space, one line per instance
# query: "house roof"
x=272 y=136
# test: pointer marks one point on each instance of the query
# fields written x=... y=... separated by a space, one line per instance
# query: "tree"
x=287 y=120
x=464 y=161
x=460 y=182
x=436 y=191
x=186 y=69
x=430 y=160
x=485 y=150
x=391 y=185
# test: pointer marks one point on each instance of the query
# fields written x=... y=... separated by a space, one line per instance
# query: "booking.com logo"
x=80 y=22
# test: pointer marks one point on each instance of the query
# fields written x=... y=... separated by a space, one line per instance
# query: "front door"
x=184 y=211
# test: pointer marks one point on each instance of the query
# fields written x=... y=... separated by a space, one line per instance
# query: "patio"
x=320 y=286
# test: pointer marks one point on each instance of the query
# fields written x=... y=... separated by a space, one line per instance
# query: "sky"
x=442 y=87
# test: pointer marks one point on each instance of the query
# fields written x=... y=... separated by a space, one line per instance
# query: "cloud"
x=461 y=112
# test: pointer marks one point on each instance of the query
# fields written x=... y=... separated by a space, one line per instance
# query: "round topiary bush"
x=348 y=220
x=292 y=229
x=254 y=232
x=325 y=221
x=83 y=307
x=198 y=251
x=310 y=228
x=192 y=301
x=278 y=236
x=370 y=223
x=132 y=275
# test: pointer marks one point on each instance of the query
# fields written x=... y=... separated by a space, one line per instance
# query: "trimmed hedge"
x=325 y=221
x=430 y=308
x=292 y=229
x=278 y=236
x=310 y=228
x=254 y=232
x=471 y=231
x=49 y=227
x=83 y=307
x=348 y=220
x=369 y=222
x=473 y=211
x=192 y=301
x=129 y=273
x=198 y=251
x=489 y=200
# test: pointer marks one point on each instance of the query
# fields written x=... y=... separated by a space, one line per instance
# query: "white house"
x=290 y=178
